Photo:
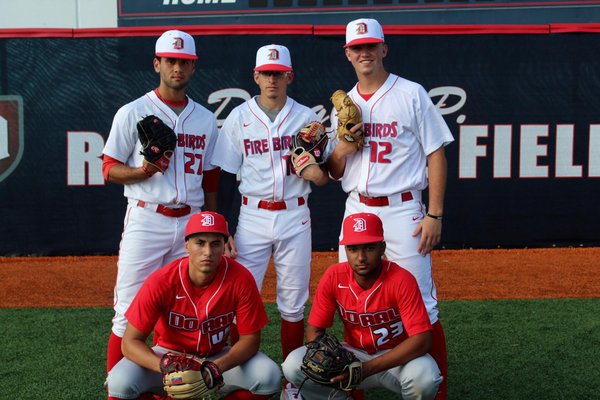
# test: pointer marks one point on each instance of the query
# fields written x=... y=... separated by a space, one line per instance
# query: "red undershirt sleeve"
x=107 y=163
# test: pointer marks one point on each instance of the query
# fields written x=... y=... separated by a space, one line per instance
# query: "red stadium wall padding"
x=299 y=29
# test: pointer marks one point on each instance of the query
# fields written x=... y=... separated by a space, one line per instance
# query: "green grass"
x=501 y=349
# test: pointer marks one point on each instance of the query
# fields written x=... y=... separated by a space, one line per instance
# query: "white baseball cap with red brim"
x=363 y=31
x=176 y=44
x=273 y=57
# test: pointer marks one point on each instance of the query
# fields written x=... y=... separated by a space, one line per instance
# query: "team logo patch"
x=273 y=55
x=360 y=225
x=208 y=220
x=361 y=28
x=11 y=134
x=178 y=43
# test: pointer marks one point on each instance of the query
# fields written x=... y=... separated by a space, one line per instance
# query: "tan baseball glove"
x=348 y=115
x=187 y=377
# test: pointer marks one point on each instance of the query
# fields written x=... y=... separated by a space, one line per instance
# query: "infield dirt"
x=459 y=275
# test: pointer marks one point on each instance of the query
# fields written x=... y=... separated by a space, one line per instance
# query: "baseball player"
x=191 y=303
x=385 y=320
x=274 y=217
x=159 y=204
x=403 y=154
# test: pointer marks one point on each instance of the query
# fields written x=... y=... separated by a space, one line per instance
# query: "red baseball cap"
x=362 y=228
x=206 y=222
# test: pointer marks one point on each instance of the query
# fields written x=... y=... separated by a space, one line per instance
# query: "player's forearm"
x=312 y=332
x=138 y=351
x=437 y=172
x=336 y=163
x=317 y=174
x=210 y=201
x=411 y=348
x=124 y=174
x=244 y=349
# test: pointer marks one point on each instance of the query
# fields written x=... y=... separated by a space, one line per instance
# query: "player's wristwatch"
x=438 y=217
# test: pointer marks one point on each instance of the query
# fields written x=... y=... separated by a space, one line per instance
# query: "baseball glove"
x=348 y=115
x=158 y=141
x=326 y=358
x=187 y=377
x=308 y=145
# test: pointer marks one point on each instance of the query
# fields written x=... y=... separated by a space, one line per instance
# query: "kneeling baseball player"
x=190 y=304
x=387 y=332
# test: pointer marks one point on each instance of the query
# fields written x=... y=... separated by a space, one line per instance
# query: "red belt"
x=382 y=201
x=273 y=205
x=168 y=211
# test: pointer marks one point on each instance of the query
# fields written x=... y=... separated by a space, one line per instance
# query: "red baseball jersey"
x=375 y=319
x=197 y=320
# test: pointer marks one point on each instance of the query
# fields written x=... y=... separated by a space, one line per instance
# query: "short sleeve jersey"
x=401 y=127
x=196 y=130
x=258 y=149
x=375 y=319
x=197 y=320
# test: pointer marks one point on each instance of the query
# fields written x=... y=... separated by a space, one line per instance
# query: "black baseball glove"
x=158 y=141
x=308 y=145
x=326 y=358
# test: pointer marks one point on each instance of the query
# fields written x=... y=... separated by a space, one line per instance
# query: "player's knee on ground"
x=120 y=386
x=127 y=380
x=420 y=378
x=263 y=375
x=291 y=366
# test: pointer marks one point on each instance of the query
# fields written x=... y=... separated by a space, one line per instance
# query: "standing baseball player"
x=385 y=321
x=274 y=217
x=162 y=192
x=190 y=304
x=403 y=154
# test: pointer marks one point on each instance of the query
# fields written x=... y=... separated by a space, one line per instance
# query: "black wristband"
x=438 y=217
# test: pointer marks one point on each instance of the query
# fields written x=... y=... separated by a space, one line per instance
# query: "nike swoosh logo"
x=248 y=124
x=415 y=218
x=180 y=297
x=342 y=287
x=304 y=222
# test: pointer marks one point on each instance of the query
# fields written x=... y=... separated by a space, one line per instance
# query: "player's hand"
x=149 y=169
x=316 y=174
x=341 y=378
x=230 y=248
x=344 y=148
x=431 y=234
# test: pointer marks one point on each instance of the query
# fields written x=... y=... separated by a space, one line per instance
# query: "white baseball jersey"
x=196 y=130
x=401 y=127
x=139 y=254
x=249 y=143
